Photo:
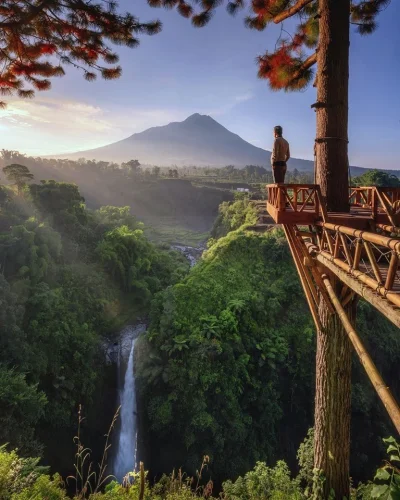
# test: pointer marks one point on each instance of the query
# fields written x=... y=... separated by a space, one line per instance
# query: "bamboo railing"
x=377 y=199
x=299 y=198
x=371 y=258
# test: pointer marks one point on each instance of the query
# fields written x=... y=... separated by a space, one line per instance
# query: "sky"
x=184 y=70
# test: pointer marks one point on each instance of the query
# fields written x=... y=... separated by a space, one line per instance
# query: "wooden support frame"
x=386 y=205
x=372 y=260
x=347 y=252
x=348 y=298
x=393 y=266
x=315 y=272
x=379 y=385
x=378 y=239
x=357 y=253
x=366 y=292
x=370 y=282
x=308 y=286
x=346 y=249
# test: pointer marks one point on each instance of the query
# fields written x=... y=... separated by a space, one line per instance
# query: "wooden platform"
x=360 y=247
x=303 y=204
x=358 y=218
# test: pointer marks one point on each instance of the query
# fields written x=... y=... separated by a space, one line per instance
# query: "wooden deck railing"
x=377 y=199
x=297 y=196
x=371 y=258
x=295 y=202
x=298 y=200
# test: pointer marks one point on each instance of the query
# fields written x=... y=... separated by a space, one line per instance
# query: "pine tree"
x=322 y=37
x=39 y=38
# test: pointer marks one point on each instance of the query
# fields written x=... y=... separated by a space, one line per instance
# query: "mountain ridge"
x=198 y=140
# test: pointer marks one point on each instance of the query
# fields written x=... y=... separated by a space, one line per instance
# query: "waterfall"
x=126 y=456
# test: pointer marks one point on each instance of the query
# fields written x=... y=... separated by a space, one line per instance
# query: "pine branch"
x=291 y=11
x=307 y=64
x=35 y=11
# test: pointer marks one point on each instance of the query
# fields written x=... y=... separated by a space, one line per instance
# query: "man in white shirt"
x=280 y=155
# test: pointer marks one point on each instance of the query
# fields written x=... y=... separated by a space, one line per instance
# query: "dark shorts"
x=279 y=171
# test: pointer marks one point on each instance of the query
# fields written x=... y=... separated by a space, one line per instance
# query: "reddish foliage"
x=277 y=67
x=34 y=31
x=298 y=41
x=264 y=7
x=48 y=48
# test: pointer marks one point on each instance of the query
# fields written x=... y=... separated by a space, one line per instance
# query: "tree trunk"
x=332 y=103
x=333 y=404
x=333 y=374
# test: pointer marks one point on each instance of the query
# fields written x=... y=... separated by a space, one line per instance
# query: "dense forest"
x=69 y=278
x=225 y=370
x=230 y=370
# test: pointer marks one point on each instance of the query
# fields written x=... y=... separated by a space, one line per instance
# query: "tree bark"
x=332 y=103
x=333 y=370
x=333 y=404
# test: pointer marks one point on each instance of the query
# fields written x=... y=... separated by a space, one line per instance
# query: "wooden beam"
x=348 y=298
x=372 y=261
x=315 y=272
x=346 y=250
x=386 y=206
x=377 y=301
x=382 y=390
x=309 y=295
x=388 y=229
x=357 y=253
x=391 y=275
x=343 y=292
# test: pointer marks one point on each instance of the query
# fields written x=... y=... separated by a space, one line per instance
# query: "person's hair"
x=278 y=130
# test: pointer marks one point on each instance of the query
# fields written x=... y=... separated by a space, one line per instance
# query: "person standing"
x=280 y=155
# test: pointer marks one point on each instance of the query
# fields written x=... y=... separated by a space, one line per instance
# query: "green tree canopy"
x=377 y=178
x=18 y=175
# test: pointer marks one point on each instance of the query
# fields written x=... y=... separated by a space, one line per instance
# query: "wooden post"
x=346 y=250
x=307 y=287
x=279 y=195
x=373 y=262
x=357 y=253
x=391 y=275
x=142 y=481
x=372 y=372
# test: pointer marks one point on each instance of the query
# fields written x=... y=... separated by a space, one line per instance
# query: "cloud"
x=244 y=97
x=56 y=114
x=233 y=102
x=54 y=126
x=46 y=125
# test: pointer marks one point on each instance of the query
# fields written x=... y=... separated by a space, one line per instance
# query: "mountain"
x=198 y=140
